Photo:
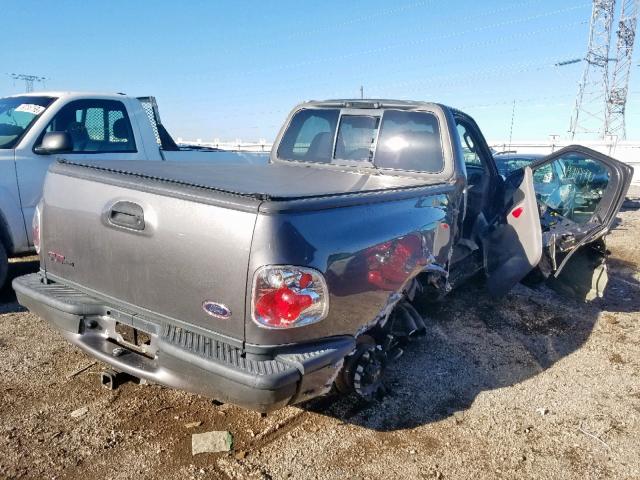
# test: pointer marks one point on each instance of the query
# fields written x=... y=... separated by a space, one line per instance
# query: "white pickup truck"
x=37 y=128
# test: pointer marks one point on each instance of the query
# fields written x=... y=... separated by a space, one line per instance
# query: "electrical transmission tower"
x=591 y=102
x=28 y=80
x=617 y=99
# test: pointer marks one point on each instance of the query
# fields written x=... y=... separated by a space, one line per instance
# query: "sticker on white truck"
x=30 y=108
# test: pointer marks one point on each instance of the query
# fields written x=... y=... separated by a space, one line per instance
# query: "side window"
x=95 y=126
x=471 y=157
x=571 y=186
x=93 y=123
x=474 y=158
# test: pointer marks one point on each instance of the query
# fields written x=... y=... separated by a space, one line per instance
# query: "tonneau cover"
x=277 y=181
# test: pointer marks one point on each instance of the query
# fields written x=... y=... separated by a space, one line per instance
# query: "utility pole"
x=617 y=98
x=28 y=80
x=361 y=92
x=513 y=117
x=591 y=102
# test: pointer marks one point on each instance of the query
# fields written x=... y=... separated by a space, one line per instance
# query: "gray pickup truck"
x=267 y=285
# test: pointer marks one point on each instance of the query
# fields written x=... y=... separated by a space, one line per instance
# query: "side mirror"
x=55 y=142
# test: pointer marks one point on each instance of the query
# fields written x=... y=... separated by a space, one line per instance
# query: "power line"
x=384 y=12
x=381 y=13
x=28 y=80
x=552 y=99
x=511 y=39
x=513 y=117
x=433 y=82
x=428 y=39
x=447 y=80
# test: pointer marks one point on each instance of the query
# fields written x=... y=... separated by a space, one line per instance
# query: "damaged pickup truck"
x=266 y=285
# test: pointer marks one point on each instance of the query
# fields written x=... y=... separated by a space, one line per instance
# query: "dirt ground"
x=533 y=385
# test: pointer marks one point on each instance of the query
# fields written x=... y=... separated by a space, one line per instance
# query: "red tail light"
x=286 y=297
x=282 y=306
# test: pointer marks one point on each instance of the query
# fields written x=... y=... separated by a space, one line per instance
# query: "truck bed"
x=277 y=181
x=196 y=222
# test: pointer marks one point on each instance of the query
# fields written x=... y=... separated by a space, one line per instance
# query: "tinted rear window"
x=409 y=141
x=356 y=137
x=399 y=140
x=309 y=137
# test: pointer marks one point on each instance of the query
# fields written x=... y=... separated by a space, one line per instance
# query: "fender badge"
x=217 y=310
x=59 y=258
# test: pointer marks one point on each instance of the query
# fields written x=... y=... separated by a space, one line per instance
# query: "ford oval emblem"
x=217 y=310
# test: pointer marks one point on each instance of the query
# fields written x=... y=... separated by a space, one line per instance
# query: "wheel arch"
x=5 y=234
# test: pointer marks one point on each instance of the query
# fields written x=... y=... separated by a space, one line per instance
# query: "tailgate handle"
x=128 y=215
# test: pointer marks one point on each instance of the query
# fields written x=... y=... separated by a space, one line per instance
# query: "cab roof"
x=70 y=94
x=373 y=103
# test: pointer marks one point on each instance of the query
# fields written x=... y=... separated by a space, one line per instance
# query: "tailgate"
x=164 y=248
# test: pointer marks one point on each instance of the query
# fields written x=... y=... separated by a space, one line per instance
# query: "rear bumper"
x=181 y=357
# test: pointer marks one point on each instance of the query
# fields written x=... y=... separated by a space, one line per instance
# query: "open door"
x=574 y=193
x=579 y=193
x=513 y=242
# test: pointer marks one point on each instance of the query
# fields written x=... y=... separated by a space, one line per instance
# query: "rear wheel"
x=4 y=266
x=363 y=370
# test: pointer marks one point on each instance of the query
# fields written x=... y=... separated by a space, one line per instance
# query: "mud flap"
x=513 y=243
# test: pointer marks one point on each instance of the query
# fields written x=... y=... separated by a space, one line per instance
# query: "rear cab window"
x=389 y=139
x=410 y=141
x=356 y=137
x=309 y=137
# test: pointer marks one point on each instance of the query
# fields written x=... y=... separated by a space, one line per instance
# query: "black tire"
x=4 y=266
x=344 y=380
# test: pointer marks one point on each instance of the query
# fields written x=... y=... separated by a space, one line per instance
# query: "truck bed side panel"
x=366 y=252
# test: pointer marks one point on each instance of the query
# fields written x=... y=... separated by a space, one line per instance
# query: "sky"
x=234 y=69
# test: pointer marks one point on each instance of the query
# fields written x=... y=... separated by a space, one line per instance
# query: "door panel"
x=513 y=246
x=579 y=192
x=562 y=202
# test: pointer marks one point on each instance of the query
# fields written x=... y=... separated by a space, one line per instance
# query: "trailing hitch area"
x=112 y=379
x=124 y=340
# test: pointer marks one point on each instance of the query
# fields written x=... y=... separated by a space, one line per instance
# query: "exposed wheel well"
x=5 y=237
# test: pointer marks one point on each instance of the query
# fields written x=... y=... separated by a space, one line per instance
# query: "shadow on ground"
x=476 y=343
x=21 y=266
